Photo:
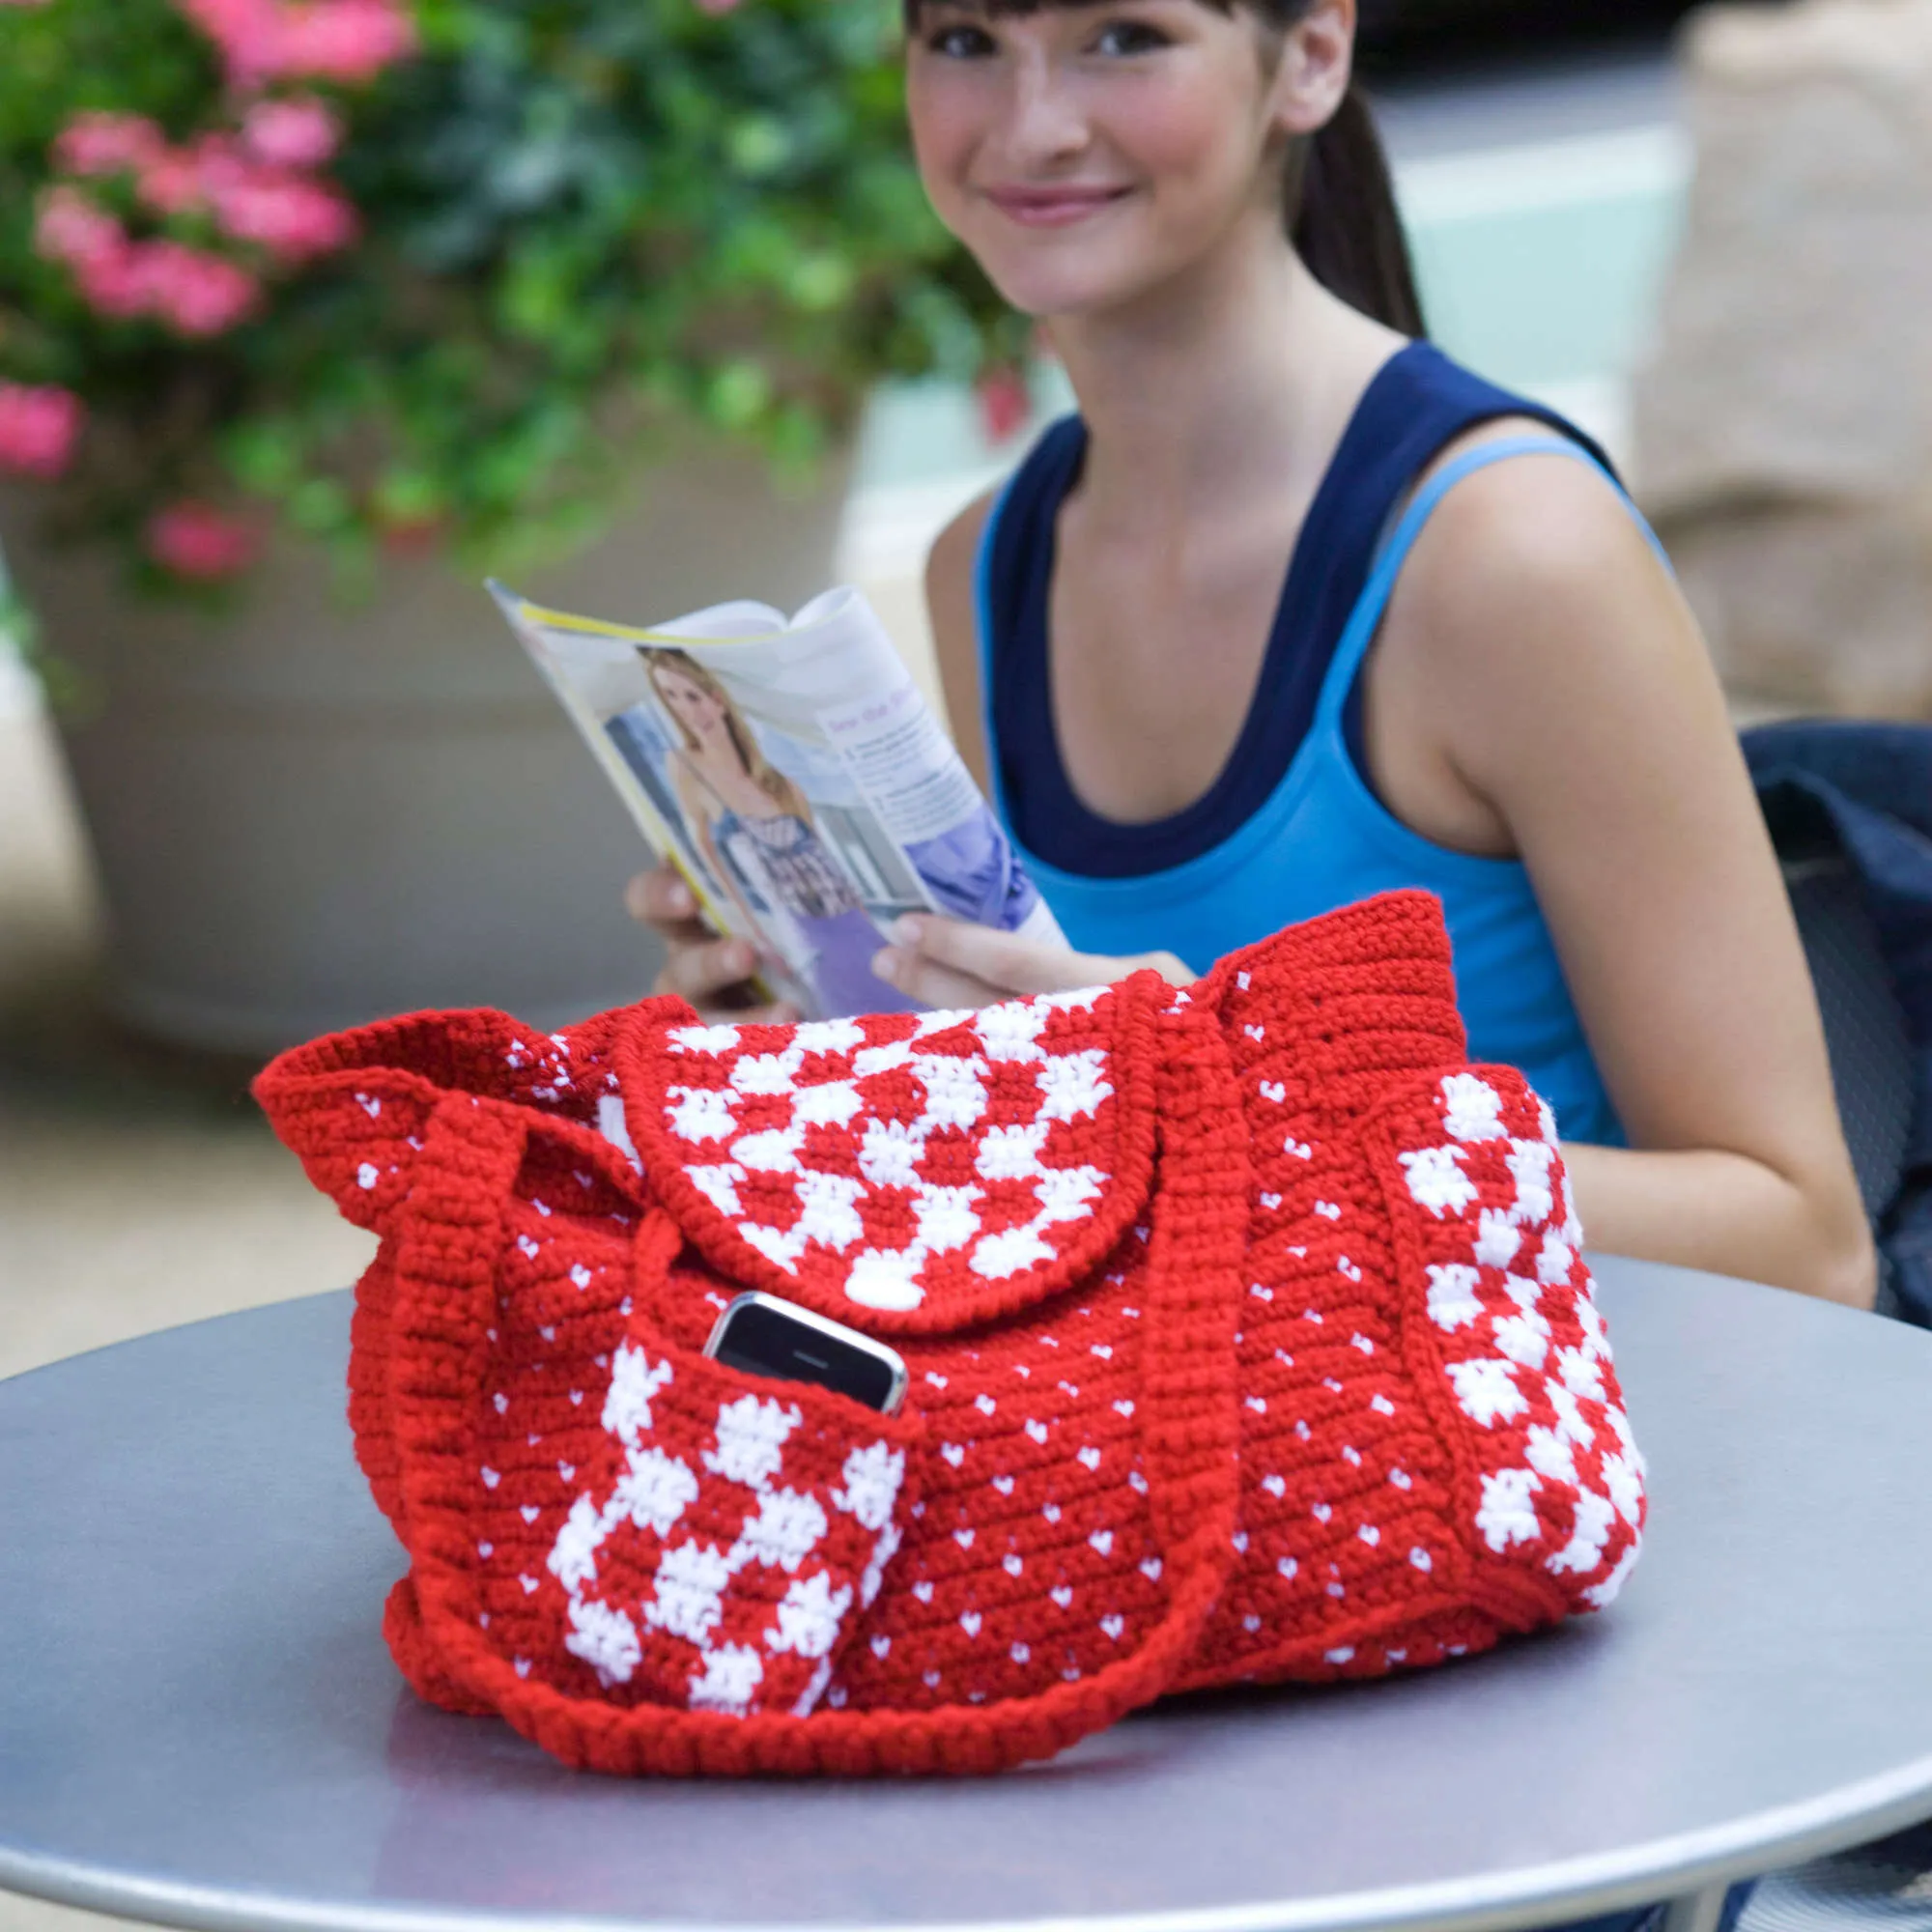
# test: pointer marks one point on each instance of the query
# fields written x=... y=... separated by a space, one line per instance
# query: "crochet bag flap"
x=1248 y=1334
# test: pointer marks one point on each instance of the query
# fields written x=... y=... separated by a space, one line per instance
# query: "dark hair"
x=1338 y=199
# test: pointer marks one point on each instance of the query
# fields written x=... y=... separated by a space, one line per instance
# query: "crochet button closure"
x=922 y=1169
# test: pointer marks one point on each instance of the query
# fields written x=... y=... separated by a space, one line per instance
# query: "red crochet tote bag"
x=1248 y=1332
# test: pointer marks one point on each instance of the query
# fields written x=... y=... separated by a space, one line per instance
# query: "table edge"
x=346 y=1293
x=1529 y=1897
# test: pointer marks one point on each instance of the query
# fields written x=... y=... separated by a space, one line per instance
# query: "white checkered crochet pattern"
x=823 y=1075
x=691 y=1574
x=1512 y=1371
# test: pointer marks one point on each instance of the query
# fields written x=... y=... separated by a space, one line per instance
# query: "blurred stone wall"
x=1784 y=429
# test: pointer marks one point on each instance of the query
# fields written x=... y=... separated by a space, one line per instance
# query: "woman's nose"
x=1045 y=120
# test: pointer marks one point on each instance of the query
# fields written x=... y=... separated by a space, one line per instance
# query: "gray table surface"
x=199 y=1724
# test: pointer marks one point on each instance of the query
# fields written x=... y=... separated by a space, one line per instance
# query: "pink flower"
x=335 y=40
x=197 y=541
x=349 y=40
x=219 y=163
x=295 y=219
x=38 y=428
x=247 y=31
x=108 y=144
x=71 y=228
x=1004 y=406
x=717 y=7
x=297 y=133
x=171 y=184
x=196 y=292
x=115 y=285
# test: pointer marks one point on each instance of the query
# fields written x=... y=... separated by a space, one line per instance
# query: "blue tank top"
x=1418 y=403
x=1318 y=838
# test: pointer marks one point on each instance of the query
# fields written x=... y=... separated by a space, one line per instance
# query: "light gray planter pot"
x=305 y=815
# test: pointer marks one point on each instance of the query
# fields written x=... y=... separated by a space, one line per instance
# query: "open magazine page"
x=791 y=771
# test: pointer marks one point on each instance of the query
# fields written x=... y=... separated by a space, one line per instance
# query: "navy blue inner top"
x=1418 y=403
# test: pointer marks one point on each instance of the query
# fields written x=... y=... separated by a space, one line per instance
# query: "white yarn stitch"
x=687 y=1593
x=1508 y=1352
x=891 y=1152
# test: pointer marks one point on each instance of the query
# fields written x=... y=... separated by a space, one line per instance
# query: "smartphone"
x=765 y=1336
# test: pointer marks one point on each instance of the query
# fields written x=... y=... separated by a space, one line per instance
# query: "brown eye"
x=1130 y=36
x=961 y=42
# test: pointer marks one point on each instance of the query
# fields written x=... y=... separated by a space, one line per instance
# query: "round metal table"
x=199 y=1724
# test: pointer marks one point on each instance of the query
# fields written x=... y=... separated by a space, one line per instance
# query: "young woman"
x=755 y=831
x=1295 y=611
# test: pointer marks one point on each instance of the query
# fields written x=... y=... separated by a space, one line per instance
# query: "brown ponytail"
x=1342 y=220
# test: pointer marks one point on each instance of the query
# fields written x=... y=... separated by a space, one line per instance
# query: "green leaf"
x=738 y=394
x=405 y=496
x=756 y=145
x=265 y=455
x=820 y=282
x=319 y=506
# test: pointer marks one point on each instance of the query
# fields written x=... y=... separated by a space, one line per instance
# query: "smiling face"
x=1089 y=153
x=699 y=710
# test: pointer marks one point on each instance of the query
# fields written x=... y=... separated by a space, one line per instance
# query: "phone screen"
x=759 y=1336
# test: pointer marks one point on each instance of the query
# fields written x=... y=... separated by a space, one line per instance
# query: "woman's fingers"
x=714 y=974
x=701 y=968
x=716 y=977
x=661 y=899
x=932 y=984
x=1176 y=972
x=949 y=963
x=994 y=960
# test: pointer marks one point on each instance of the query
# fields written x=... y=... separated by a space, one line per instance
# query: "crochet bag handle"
x=451 y=1233
x=355 y=1106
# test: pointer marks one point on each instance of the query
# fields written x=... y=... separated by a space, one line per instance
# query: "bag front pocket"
x=725 y=1534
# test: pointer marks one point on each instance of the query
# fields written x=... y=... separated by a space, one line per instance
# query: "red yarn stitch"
x=1247 y=1331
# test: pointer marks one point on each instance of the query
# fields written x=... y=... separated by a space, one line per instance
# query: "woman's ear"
x=1317 y=62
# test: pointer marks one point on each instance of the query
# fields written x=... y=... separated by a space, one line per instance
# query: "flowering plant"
x=396 y=272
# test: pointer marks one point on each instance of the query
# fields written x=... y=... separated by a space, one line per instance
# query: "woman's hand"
x=714 y=974
x=945 y=962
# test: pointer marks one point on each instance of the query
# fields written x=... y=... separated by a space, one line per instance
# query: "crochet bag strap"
x=451 y=1235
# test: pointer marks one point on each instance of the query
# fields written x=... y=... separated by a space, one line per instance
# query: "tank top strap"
x=1366 y=618
x=986 y=615
x=1011 y=570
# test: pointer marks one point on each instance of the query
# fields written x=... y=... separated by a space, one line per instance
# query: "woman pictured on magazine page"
x=1295 y=610
x=755 y=831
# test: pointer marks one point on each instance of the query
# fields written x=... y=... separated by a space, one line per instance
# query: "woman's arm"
x=955 y=631
x=1541 y=688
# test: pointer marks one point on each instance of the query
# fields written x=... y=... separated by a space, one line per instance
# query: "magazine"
x=792 y=773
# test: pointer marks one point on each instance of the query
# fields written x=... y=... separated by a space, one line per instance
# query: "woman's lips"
x=1052 y=207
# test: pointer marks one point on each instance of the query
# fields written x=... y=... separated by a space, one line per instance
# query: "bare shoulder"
x=1534 y=585
x=1540 y=517
x=1535 y=641
x=951 y=567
